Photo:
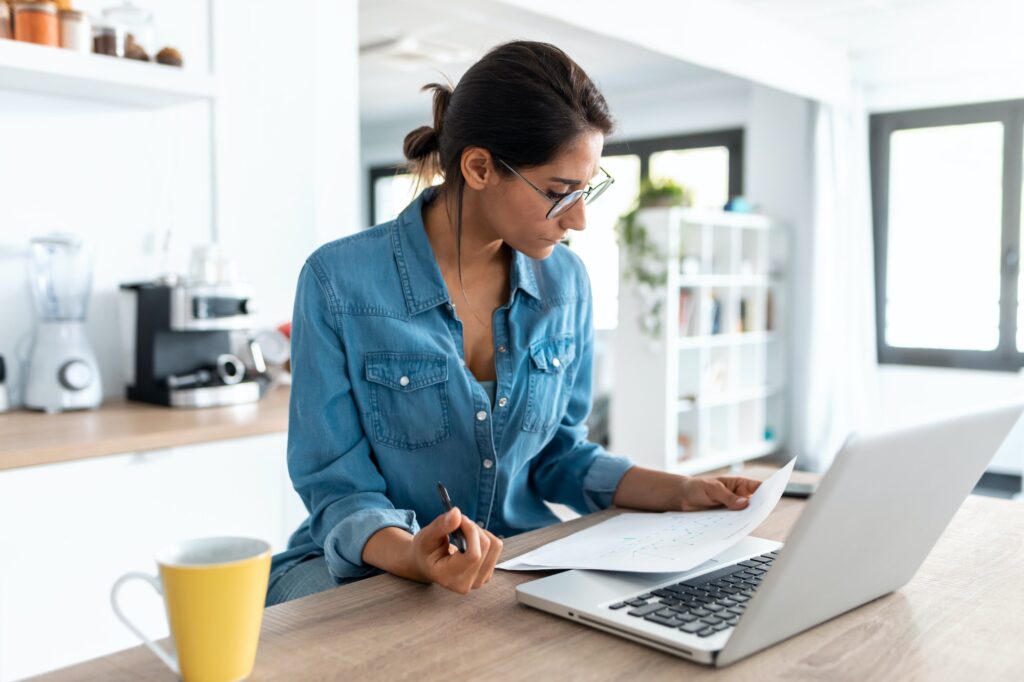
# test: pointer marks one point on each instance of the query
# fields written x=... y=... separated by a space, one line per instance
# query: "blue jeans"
x=301 y=580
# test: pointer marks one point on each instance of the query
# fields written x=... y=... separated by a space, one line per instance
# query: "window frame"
x=731 y=139
x=1005 y=357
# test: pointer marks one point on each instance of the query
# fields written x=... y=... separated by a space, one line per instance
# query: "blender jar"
x=61 y=278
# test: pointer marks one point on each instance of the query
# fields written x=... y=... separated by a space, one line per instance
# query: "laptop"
x=876 y=515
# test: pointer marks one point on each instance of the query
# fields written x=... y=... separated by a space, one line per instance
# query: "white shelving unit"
x=708 y=389
x=52 y=71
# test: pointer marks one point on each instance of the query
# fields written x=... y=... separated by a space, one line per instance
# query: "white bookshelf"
x=708 y=390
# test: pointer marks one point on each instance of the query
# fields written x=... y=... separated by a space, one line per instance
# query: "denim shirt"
x=383 y=405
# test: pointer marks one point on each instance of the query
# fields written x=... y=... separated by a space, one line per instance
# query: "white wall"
x=913 y=394
x=120 y=177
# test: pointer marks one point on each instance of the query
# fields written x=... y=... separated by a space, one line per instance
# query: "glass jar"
x=137 y=24
x=5 y=20
x=36 y=22
x=108 y=39
x=75 y=31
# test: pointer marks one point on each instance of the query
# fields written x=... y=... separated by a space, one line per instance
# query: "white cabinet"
x=67 y=531
x=702 y=354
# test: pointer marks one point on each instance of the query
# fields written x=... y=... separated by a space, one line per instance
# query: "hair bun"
x=420 y=143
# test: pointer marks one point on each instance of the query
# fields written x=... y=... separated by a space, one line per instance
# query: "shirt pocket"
x=408 y=398
x=550 y=385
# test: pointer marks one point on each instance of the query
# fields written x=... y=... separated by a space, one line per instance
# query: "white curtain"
x=835 y=382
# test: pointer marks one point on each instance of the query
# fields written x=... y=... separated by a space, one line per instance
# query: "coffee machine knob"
x=75 y=375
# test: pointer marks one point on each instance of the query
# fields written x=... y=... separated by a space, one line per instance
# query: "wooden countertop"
x=34 y=438
x=957 y=619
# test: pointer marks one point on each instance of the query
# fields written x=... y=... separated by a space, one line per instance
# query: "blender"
x=62 y=370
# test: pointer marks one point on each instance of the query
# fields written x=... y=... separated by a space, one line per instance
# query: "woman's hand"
x=652 y=490
x=439 y=562
x=732 y=492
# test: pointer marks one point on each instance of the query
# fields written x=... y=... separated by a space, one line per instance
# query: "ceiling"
x=866 y=25
x=881 y=36
x=464 y=30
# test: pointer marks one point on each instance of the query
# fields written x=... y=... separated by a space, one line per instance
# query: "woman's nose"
x=575 y=218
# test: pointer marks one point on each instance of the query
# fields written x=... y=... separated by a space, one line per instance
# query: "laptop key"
x=646 y=595
x=713 y=607
x=635 y=602
x=662 y=620
x=666 y=613
x=700 y=613
x=740 y=597
x=760 y=559
x=748 y=563
x=620 y=605
x=733 y=620
x=662 y=593
x=727 y=602
x=735 y=610
x=721 y=626
x=706 y=632
x=646 y=609
x=693 y=628
x=711 y=620
x=686 y=617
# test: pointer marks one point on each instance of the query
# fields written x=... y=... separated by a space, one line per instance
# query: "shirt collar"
x=422 y=282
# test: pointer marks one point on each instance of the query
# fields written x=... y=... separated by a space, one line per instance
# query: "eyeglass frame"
x=584 y=194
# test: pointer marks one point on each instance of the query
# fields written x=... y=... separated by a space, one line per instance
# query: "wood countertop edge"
x=125 y=436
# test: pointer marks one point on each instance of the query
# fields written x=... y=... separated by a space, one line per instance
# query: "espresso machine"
x=62 y=369
x=187 y=343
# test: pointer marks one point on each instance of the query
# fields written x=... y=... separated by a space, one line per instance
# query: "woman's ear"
x=478 y=167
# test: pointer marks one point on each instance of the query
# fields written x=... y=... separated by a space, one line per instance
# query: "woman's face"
x=516 y=212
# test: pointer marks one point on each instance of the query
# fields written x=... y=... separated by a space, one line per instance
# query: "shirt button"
x=502 y=402
x=488 y=463
x=404 y=381
x=481 y=416
x=556 y=362
x=501 y=349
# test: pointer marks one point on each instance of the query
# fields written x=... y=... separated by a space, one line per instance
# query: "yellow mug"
x=214 y=590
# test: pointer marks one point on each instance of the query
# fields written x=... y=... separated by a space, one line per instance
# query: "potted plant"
x=645 y=261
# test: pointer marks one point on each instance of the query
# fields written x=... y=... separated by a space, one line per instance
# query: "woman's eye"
x=553 y=195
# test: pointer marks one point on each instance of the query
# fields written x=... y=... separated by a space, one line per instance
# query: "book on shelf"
x=687 y=306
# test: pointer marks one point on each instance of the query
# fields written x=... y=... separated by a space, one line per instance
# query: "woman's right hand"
x=439 y=562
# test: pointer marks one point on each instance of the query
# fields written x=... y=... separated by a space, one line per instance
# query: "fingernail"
x=741 y=500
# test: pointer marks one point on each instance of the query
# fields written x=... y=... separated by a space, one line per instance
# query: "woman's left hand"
x=732 y=492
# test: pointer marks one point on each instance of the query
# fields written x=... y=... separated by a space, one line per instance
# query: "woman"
x=455 y=344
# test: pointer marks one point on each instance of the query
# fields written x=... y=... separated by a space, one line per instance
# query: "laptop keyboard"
x=703 y=605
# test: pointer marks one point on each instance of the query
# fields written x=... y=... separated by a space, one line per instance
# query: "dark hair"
x=523 y=101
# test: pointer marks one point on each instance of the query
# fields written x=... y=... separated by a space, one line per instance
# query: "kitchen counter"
x=34 y=438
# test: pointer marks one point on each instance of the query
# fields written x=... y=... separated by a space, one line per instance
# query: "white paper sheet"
x=659 y=542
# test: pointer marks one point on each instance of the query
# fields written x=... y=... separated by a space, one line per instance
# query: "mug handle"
x=169 y=659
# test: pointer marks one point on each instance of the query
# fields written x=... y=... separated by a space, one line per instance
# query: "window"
x=710 y=164
x=946 y=185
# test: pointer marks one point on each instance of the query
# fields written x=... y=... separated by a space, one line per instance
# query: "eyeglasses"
x=563 y=202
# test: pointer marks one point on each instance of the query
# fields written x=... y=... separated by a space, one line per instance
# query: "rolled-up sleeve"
x=570 y=469
x=329 y=457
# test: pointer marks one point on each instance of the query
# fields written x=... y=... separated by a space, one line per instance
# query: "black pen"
x=456 y=538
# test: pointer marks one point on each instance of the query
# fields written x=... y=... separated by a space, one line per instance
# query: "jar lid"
x=45 y=7
x=71 y=14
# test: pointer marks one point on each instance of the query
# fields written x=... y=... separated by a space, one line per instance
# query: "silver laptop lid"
x=875 y=517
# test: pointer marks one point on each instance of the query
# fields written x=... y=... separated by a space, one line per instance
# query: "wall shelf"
x=53 y=71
